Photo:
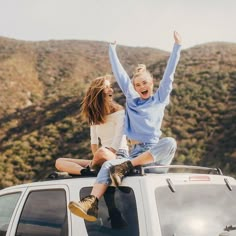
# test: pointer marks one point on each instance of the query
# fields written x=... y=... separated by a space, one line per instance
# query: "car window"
x=117 y=214
x=44 y=214
x=7 y=205
x=196 y=210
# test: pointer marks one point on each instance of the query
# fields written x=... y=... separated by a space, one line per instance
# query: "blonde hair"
x=141 y=70
x=95 y=107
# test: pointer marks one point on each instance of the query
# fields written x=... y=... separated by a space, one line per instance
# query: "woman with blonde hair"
x=106 y=120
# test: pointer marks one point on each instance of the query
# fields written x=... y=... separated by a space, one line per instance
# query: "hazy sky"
x=130 y=22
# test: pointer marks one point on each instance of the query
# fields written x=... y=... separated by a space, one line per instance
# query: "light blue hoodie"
x=144 y=116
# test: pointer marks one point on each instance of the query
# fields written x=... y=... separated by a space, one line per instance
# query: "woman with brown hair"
x=106 y=120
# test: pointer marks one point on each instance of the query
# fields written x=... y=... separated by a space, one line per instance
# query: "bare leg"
x=98 y=190
x=102 y=155
x=87 y=207
x=72 y=166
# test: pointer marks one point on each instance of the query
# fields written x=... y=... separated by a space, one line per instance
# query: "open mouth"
x=144 y=92
x=109 y=96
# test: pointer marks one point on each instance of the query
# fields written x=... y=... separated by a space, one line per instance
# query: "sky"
x=137 y=23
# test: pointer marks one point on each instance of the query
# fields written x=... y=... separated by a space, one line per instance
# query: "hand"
x=177 y=38
x=113 y=43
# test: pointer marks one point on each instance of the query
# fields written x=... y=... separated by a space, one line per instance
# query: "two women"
x=144 y=115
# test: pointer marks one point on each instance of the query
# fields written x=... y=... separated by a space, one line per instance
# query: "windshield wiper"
x=230 y=227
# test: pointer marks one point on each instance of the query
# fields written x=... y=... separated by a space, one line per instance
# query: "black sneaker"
x=117 y=221
x=58 y=175
x=87 y=171
x=118 y=172
x=87 y=208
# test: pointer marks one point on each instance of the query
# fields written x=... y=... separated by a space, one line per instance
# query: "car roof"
x=174 y=172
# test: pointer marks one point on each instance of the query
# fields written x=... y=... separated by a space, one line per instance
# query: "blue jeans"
x=163 y=152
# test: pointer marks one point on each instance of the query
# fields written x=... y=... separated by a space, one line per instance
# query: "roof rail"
x=55 y=175
x=181 y=169
x=142 y=170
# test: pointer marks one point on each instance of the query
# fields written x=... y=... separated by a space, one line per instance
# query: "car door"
x=9 y=203
x=43 y=212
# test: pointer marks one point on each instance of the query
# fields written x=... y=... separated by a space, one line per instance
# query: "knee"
x=59 y=163
x=102 y=155
x=101 y=152
x=98 y=157
x=171 y=143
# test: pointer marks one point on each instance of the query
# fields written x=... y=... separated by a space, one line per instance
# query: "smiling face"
x=143 y=84
x=98 y=101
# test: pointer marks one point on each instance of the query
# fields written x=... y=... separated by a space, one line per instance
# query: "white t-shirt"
x=111 y=133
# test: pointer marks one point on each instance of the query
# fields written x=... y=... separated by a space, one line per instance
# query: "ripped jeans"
x=163 y=153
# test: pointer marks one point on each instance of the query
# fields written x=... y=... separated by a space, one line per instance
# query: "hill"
x=31 y=72
x=42 y=84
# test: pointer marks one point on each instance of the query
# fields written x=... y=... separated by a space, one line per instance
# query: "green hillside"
x=42 y=84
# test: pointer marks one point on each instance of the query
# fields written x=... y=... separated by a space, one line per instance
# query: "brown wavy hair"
x=95 y=107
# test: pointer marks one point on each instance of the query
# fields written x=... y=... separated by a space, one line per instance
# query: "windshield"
x=196 y=210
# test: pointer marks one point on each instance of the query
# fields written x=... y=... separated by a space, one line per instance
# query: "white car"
x=185 y=201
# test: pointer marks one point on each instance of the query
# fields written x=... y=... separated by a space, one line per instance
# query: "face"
x=108 y=91
x=143 y=86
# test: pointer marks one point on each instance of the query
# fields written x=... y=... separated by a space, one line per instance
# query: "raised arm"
x=165 y=86
x=120 y=74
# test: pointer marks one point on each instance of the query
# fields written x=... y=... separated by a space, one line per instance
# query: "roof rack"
x=181 y=169
x=142 y=170
x=55 y=175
